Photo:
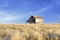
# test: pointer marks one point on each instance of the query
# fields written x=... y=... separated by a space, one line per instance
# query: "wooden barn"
x=35 y=19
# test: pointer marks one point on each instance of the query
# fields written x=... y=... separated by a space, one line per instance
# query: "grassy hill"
x=29 y=31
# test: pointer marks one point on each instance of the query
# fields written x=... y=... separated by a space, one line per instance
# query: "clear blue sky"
x=18 y=11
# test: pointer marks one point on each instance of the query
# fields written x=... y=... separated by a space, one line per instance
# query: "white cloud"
x=41 y=10
x=5 y=17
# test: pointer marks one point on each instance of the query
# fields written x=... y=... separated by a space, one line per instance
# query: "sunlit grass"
x=29 y=31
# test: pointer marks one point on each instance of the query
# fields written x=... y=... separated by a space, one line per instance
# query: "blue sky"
x=18 y=11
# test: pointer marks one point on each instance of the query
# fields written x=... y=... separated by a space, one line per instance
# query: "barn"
x=35 y=19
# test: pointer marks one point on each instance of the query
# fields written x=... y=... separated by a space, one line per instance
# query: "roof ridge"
x=38 y=17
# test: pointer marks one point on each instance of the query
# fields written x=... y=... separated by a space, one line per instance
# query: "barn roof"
x=38 y=17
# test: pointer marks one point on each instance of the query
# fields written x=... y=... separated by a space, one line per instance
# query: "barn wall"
x=39 y=21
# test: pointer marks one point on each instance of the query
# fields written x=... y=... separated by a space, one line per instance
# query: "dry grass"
x=29 y=31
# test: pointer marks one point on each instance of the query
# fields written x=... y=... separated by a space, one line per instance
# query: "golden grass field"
x=29 y=31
